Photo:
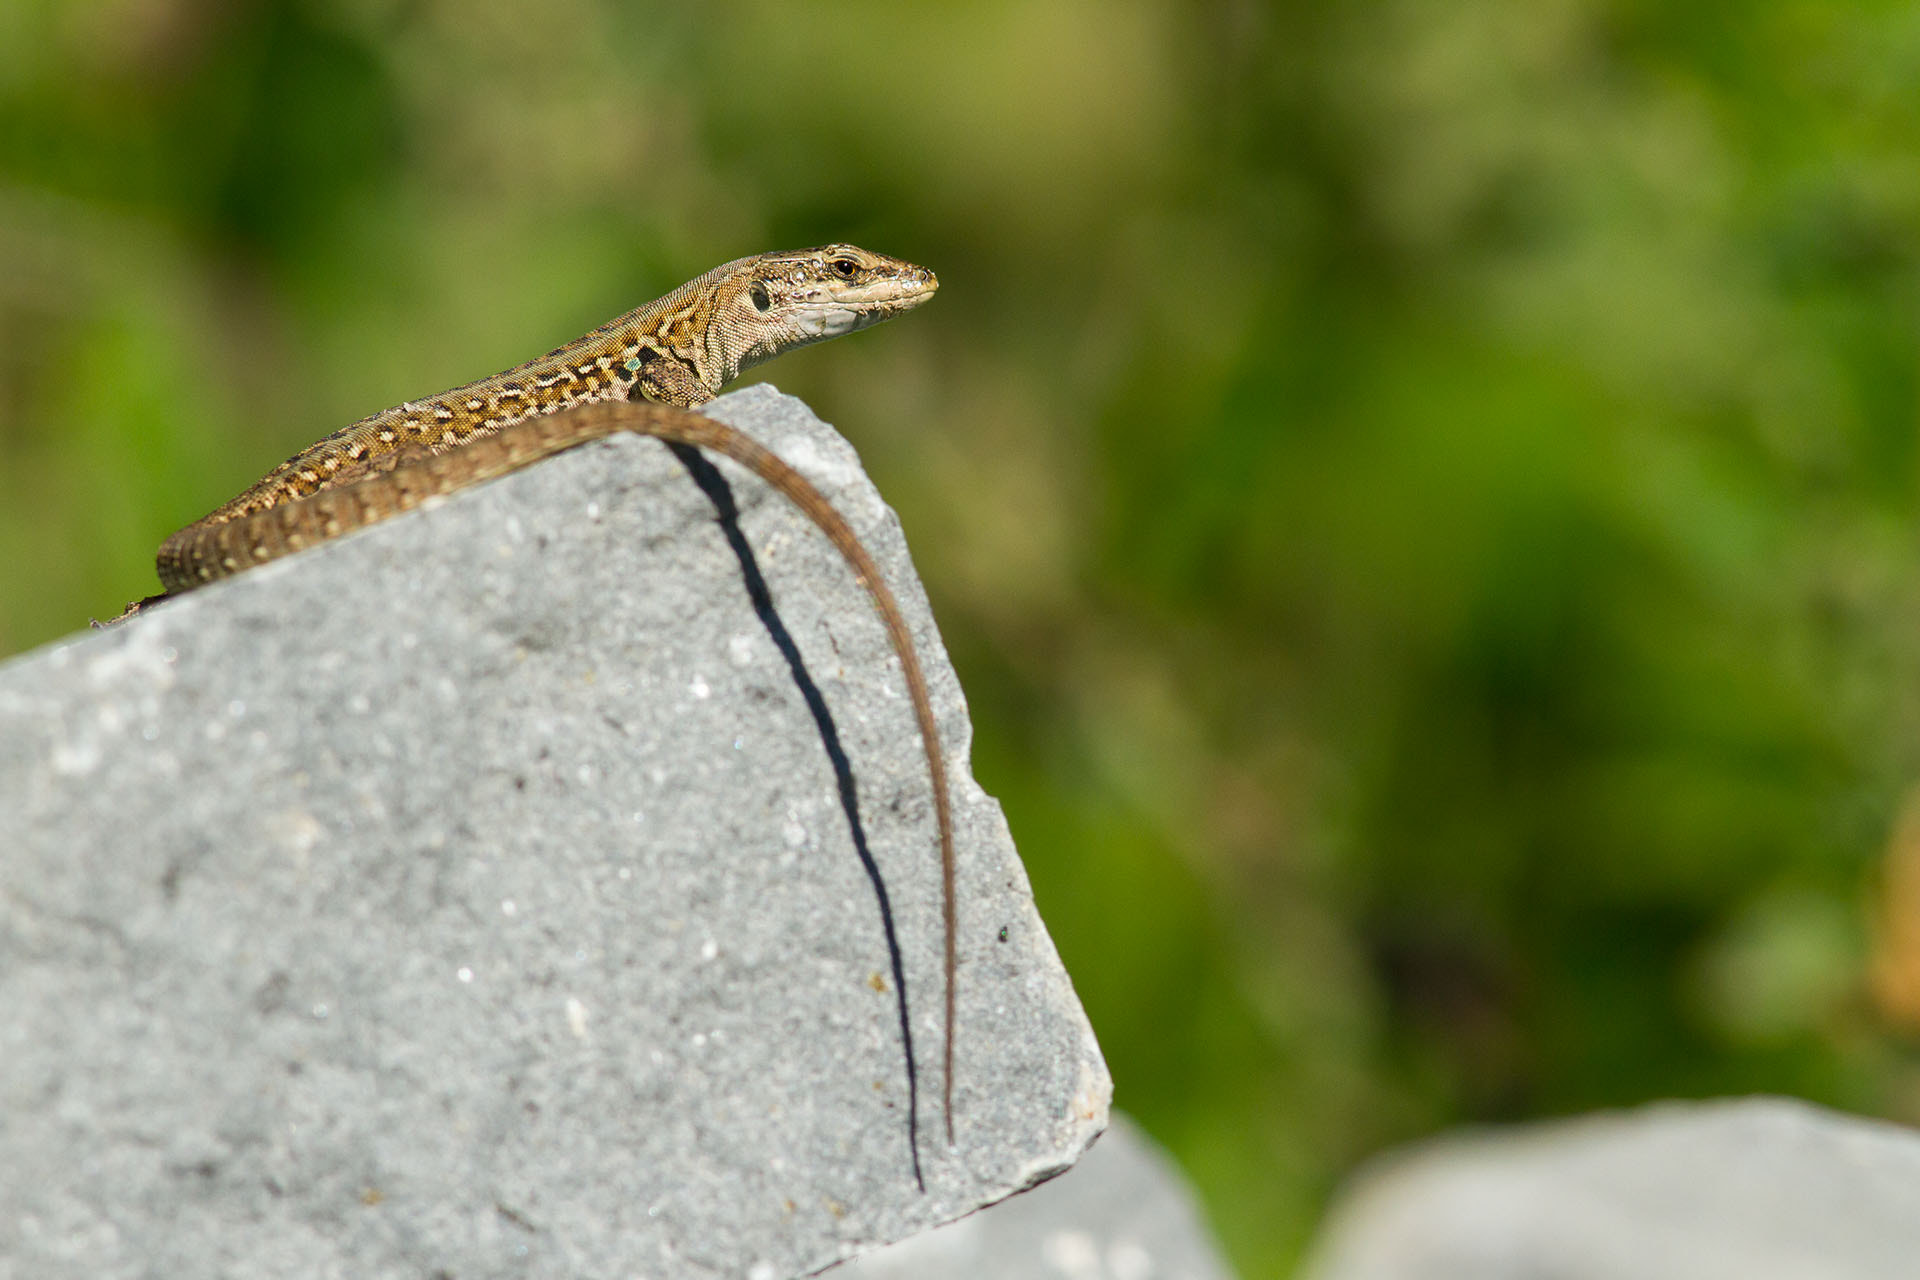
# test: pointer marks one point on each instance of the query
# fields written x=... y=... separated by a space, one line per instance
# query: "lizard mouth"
x=856 y=306
x=892 y=294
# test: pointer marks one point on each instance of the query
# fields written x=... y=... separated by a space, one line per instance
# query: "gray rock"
x=1758 y=1189
x=474 y=897
x=1123 y=1213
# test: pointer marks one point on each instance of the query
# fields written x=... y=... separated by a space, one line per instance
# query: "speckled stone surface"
x=475 y=897
x=1124 y=1212
x=1748 y=1189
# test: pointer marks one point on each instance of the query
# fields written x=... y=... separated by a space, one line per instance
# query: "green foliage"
x=1422 y=495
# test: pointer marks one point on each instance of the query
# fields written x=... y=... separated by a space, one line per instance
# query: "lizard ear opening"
x=757 y=294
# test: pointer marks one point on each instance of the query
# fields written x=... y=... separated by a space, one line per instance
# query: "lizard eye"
x=845 y=268
x=757 y=295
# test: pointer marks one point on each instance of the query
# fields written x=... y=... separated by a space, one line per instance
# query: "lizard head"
x=778 y=301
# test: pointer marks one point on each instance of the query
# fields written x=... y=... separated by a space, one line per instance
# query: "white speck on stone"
x=464 y=974
x=320 y=1011
x=576 y=1018
x=700 y=687
x=794 y=833
x=585 y=774
x=593 y=511
x=740 y=650
x=359 y=705
x=761 y=1271
x=699 y=1040
x=297 y=830
x=709 y=949
x=508 y=907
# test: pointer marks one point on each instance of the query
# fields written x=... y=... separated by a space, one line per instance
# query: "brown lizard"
x=677 y=352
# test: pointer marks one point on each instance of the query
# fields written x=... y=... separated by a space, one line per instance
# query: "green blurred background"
x=1421 y=495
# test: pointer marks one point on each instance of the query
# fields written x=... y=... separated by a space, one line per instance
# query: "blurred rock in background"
x=1760 y=1189
x=1124 y=1212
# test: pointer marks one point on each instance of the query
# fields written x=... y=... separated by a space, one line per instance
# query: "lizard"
x=643 y=372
